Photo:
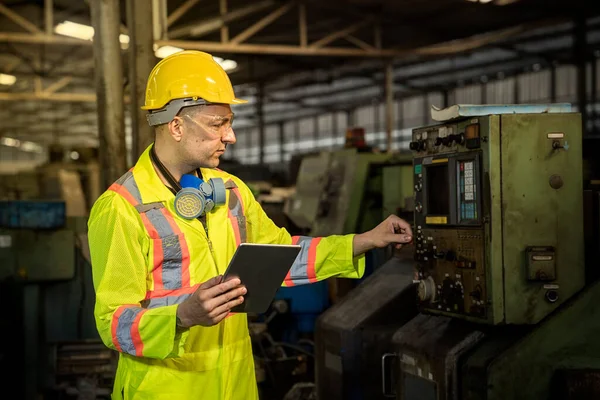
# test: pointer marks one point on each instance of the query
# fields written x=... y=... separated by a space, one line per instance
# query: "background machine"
x=504 y=310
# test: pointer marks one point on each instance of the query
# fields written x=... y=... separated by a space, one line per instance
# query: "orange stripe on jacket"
x=135 y=335
x=288 y=278
x=312 y=260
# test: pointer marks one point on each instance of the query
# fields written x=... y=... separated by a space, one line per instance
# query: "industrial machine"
x=346 y=191
x=45 y=277
x=504 y=309
x=499 y=260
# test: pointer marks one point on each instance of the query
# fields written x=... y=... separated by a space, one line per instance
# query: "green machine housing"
x=498 y=216
x=348 y=191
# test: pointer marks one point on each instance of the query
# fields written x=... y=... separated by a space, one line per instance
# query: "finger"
x=225 y=308
x=401 y=225
x=221 y=288
x=226 y=297
x=399 y=238
x=211 y=282
x=219 y=318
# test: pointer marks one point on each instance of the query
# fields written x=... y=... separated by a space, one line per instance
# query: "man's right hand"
x=211 y=302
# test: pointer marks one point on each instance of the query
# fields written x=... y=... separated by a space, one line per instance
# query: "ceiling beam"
x=43 y=96
x=59 y=84
x=182 y=9
x=17 y=19
x=262 y=23
x=206 y=26
x=338 y=34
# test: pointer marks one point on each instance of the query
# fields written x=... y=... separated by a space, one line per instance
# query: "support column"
x=281 y=142
x=159 y=19
x=553 y=83
x=445 y=98
x=49 y=17
x=334 y=128
x=579 y=50
x=594 y=97
x=389 y=104
x=109 y=90
x=315 y=130
x=141 y=62
x=261 y=122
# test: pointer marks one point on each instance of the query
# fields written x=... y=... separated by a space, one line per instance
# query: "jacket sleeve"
x=320 y=257
x=118 y=245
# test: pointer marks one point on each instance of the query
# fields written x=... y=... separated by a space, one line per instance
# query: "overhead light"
x=21 y=145
x=10 y=142
x=165 y=51
x=81 y=31
x=227 y=65
x=7 y=80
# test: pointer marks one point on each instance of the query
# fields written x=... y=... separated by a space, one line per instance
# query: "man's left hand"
x=394 y=230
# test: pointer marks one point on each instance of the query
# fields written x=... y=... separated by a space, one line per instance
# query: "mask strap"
x=163 y=170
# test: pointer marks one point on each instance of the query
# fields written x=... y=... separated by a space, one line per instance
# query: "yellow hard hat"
x=184 y=79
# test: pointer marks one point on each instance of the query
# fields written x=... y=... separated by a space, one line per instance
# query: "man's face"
x=206 y=134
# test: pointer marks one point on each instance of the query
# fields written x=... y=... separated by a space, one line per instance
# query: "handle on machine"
x=387 y=387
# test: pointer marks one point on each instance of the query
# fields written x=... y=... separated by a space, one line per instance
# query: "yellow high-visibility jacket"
x=146 y=260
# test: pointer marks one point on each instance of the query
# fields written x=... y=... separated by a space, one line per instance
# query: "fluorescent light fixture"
x=7 y=80
x=166 y=51
x=10 y=142
x=30 y=146
x=227 y=65
x=21 y=145
x=80 y=31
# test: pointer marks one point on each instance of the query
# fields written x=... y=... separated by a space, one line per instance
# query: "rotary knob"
x=426 y=290
x=418 y=207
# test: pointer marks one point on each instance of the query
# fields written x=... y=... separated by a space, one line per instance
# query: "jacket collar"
x=151 y=187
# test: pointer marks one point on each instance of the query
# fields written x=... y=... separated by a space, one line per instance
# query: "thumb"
x=214 y=281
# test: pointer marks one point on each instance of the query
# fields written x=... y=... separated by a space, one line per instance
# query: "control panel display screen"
x=468 y=190
x=438 y=197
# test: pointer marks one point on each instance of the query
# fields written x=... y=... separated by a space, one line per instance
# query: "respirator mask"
x=198 y=197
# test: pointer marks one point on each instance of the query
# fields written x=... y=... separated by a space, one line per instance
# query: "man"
x=160 y=298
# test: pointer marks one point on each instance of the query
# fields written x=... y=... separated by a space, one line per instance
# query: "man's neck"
x=168 y=158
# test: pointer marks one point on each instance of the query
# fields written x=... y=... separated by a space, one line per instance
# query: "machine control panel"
x=449 y=238
x=451 y=270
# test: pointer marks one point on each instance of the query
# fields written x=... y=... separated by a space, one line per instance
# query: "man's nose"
x=229 y=137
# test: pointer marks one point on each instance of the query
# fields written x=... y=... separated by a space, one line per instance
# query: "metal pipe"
x=109 y=88
x=141 y=62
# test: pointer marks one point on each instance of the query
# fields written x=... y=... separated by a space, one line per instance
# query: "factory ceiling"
x=309 y=57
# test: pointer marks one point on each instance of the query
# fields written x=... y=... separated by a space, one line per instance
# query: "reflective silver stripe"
x=166 y=301
x=172 y=257
x=171 y=248
x=235 y=207
x=124 y=177
x=131 y=186
x=124 y=324
x=299 y=270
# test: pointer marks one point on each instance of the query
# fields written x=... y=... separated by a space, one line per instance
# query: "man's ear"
x=176 y=128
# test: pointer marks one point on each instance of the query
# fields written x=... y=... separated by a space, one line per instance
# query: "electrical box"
x=498 y=216
x=35 y=245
